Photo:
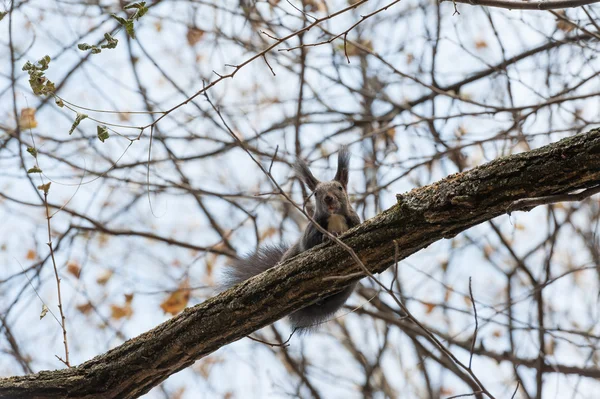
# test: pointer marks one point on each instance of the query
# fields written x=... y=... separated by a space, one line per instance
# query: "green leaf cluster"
x=111 y=43
x=38 y=82
x=140 y=10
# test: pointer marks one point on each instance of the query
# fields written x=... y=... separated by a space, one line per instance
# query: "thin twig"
x=476 y=324
x=527 y=204
x=283 y=344
x=63 y=322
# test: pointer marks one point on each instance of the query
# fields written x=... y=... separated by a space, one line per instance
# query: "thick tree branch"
x=421 y=217
x=528 y=5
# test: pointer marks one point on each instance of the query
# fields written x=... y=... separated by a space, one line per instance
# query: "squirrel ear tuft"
x=304 y=173
x=343 y=166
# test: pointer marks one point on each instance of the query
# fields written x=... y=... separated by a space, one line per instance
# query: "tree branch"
x=527 y=5
x=421 y=217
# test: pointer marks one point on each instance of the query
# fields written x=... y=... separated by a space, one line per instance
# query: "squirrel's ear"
x=304 y=173
x=343 y=166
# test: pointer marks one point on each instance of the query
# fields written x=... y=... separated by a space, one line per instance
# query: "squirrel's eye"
x=340 y=188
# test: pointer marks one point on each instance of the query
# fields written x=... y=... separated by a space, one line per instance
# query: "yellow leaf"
x=178 y=299
x=27 y=119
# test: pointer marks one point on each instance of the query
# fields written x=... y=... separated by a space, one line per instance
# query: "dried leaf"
x=104 y=277
x=31 y=255
x=178 y=299
x=563 y=25
x=429 y=307
x=85 y=308
x=74 y=269
x=118 y=312
x=480 y=44
x=194 y=35
x=45 y=187
x=27 y=119
x=315 y=6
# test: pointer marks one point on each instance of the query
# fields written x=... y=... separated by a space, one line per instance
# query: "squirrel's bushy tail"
x=252 y=265
x=303 y=320
x=312 y=316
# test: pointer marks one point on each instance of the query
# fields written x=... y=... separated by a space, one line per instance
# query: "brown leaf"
x=315 y=5
x=30 y=255
x=194 y=35
x=104 y=277
x=74 y=269
x=429 y=307
x=118 y=312
x=563 y=25
x=27 y=119
x=178 y=299
x=84 y=308
x=480 y=44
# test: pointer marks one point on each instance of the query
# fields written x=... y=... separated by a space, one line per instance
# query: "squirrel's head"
x=330 y=196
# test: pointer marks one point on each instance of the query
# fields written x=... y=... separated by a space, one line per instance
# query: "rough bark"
x=421 y=217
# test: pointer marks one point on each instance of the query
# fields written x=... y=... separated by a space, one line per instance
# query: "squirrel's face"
x=331 y=197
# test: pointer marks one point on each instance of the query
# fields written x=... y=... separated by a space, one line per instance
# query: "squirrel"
x=332 y=212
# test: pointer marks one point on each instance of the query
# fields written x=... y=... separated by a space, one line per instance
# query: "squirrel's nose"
x=328 y=199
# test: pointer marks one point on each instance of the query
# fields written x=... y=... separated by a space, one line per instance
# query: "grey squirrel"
x=334 y=213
